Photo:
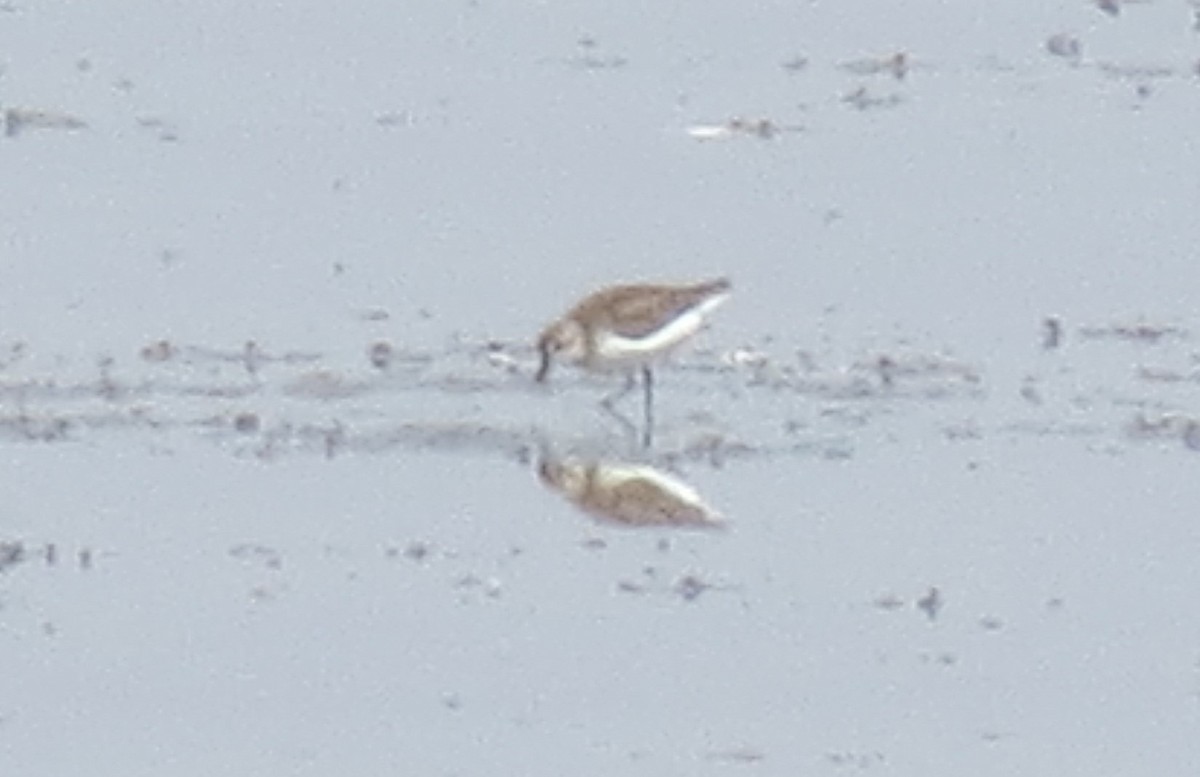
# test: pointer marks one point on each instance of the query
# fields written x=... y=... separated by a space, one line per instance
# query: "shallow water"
x=277 y=494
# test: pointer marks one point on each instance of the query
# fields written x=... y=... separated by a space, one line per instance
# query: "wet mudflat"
x=281 y=495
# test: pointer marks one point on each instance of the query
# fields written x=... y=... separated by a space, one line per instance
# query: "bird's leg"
x=615 y=397
x=648 y=385
x=609 y=406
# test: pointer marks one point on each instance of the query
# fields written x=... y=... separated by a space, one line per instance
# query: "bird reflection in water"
x=627 y=494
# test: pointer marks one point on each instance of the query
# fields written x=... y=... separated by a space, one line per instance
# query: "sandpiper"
x=628 y=328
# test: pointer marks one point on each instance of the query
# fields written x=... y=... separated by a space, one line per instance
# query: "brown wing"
x=634 y=311
x=643 y=503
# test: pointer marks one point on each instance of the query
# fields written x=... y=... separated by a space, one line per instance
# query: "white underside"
x=612 y=476
x=595 y=486
x=615 y=351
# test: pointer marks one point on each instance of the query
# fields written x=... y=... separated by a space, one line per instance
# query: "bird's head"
x=563 y=340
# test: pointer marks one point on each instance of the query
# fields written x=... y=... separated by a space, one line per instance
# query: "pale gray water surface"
x=231 y=543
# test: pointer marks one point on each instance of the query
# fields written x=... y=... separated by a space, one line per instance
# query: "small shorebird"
x=629 y=328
